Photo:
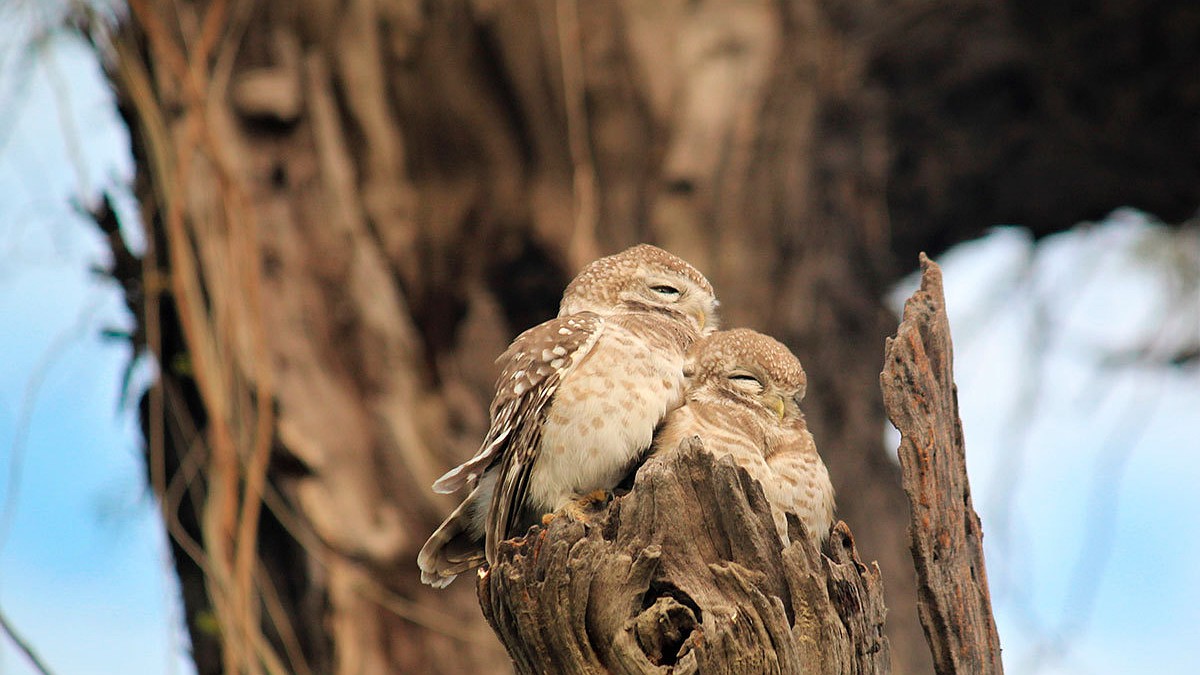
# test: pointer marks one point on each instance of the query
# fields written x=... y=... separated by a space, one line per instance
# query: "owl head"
x=749 y=369
x=643 y=278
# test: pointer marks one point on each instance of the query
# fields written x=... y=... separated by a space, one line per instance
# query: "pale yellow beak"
x=776 y=403
x=701 y=319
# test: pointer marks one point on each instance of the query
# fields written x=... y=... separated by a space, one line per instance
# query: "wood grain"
x=685 y=574
x=921 y=399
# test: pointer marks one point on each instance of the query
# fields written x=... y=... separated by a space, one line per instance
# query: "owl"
x=743 y=399
x=577 y=402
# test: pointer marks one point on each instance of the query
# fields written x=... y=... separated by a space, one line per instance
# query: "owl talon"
x=575 y=510
x=586 y=506
x=548 y=518
x=598 y=497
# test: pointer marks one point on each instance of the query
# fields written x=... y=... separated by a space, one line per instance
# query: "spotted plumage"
x=577 y=401
x=743 y=400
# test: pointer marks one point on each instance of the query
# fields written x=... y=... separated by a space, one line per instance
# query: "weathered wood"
x=685 y=574
x=921 y=399
x=352 y=207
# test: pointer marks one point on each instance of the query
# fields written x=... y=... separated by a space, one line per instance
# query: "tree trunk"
x=352 y=206
x=685 y=574
x=947 y=539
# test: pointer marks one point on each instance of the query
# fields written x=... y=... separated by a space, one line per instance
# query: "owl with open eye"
x=577 y=402
x=743 y=399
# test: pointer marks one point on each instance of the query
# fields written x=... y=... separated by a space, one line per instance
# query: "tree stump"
x=921 y=399
x=685 y=573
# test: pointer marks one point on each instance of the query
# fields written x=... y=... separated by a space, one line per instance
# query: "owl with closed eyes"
x=577 y=402
x=743 y=399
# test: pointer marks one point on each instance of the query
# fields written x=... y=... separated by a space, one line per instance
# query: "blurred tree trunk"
x=353 y=205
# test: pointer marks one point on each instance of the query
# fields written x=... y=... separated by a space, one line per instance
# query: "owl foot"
x=597 y=497
x=581 y=508
x=588 y=505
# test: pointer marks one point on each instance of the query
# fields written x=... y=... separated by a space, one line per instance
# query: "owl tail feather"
x=456 y=478
x=452 y=548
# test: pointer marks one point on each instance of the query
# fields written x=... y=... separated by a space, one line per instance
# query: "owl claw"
x=576 y=510
x=586 y=506
x=600 y=497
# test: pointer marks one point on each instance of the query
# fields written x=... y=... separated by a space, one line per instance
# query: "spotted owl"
x=577 y=402
x=743 y=399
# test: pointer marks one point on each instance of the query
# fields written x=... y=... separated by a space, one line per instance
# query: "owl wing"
x=535 y=365
x=800 y=484
x=531 y=370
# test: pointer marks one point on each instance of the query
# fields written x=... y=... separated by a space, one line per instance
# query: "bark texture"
x=353 y=205
x=685 y=574
x=947 y=540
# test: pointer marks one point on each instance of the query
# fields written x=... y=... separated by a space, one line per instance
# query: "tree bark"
x=947 y=539
x=685 y=574
x=352 y=206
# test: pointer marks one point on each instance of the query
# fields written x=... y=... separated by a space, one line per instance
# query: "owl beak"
x=701 y=320
x=776 y=403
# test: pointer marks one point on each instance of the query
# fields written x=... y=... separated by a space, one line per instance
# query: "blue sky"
x=1106 y=459
x=82 y=562
x=1084 y=475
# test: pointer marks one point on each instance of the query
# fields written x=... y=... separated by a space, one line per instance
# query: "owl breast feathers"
x=743 y=400
x=577 y=401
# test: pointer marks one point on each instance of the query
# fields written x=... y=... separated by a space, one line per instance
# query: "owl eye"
x=746 y=381
x=665 y=290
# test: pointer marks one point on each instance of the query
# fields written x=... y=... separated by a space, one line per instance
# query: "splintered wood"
x=921 y=399
x=684 y=574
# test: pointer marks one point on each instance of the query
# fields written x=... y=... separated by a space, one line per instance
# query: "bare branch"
x=24 y=647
